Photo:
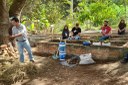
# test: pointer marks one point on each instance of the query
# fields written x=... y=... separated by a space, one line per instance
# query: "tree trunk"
x=16 y=8
x=4 y=22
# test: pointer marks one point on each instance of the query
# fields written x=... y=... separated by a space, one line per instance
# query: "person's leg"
x=77 y=37
x=123 y=32
x=119 y=32
x=71 y=38
x=101 y=43
x=126 y=56
x=103 y=38
x=28 y=48
x=20 y=49
x=91 y=42
x=125 y=60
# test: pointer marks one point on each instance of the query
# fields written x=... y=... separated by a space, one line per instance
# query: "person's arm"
x=16 y=35
x=102 y=31
x=119 y=28
x=79 y=31
x=108 y=31
x=22 y=33
x=124 y=28
x=72 y=29
x=68 y=33
x=63 y=33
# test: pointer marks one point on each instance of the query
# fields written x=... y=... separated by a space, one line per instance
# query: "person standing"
x=106 y=32
x=19 y=32
x=122 y=27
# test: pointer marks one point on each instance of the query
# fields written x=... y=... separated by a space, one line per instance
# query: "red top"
x=106 y=30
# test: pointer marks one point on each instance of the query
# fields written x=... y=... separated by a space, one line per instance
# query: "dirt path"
x=52 y=73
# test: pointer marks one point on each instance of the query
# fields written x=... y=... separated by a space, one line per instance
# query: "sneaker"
x=124 y=61
x=32 y=61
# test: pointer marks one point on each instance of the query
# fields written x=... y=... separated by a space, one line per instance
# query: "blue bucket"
x=62 y=50
x=62 y=47
x=62 y=56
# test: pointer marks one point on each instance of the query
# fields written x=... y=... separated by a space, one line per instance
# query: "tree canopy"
x=46 y=12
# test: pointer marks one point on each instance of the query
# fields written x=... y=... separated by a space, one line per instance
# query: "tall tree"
x=4 y=22
x=15 y=10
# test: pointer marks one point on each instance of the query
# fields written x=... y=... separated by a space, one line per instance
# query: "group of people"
x=105 y=30
x=19 y=32
x=73 y=35
x=75 y=32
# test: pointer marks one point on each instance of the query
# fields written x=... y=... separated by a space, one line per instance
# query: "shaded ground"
x=52 y=73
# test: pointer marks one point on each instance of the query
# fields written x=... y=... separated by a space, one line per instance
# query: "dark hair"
x=122 y=25
x=77 y=24
x=15 y=19
x=65 y=30
x=106 y=21
x=66 y=26
x=122 y=20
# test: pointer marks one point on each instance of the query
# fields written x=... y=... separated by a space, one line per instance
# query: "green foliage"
x=99 y=11
x=36 y=19
x=43 y=13
x=54 y=13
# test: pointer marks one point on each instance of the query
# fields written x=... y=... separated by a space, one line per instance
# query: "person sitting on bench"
x=76 y=32
x=65 y=33
x=106 y=32
x=122 y=27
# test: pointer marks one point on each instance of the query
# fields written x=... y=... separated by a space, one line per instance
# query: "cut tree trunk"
x=4 y=22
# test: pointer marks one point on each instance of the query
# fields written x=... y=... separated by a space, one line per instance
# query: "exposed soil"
x=52 y=73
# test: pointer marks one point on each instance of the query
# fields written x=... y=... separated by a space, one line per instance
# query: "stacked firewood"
x=7 y=51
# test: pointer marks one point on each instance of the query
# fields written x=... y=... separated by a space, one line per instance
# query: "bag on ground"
x=86 y=59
